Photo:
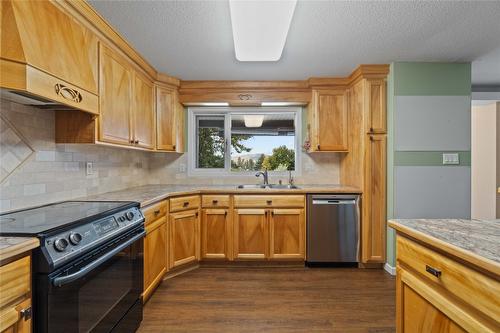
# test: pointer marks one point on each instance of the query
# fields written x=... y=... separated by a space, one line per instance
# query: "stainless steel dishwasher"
x=332 y=228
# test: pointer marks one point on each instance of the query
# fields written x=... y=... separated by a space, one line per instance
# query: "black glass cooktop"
x=44 y=219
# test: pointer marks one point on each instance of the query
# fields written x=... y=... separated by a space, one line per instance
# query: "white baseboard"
x=389 y=269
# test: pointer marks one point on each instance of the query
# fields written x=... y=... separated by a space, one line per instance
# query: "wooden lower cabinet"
x=155 y=255
x=287 y=234
x=184 y=237
x=215 y=234
x=251 y=234
x=15 y=296
x=277 y=234
x=436 y=293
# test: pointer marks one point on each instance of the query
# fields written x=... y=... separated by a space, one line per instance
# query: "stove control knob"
x=75 y=238
x=129 y=215
x=60 y=244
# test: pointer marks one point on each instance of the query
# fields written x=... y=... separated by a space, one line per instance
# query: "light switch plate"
x=89 y=168
x=451 y=158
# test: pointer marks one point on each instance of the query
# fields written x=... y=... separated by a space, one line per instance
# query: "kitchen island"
x=448 y=275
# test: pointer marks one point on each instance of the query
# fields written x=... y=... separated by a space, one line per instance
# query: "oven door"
x=102 y=293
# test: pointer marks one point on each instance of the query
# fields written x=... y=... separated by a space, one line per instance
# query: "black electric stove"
x=88 y=270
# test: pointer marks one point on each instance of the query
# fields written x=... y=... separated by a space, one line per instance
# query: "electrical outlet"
x=451 y=158
x=89 y=168
x=182 y=167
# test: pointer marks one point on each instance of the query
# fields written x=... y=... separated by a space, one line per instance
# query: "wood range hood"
x=49 y=61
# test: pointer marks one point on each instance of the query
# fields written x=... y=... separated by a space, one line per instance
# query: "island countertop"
x=474 y=241
x=149 y=194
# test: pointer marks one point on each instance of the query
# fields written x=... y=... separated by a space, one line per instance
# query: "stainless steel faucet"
x=265 y=175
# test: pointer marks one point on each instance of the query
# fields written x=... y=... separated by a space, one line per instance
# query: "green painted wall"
x=419 y=79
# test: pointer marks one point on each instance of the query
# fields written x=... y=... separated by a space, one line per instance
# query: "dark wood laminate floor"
x=273 y=300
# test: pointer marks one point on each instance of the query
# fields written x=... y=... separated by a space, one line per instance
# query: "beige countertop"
x=474 y=241
x=149 y=194
x=12 y=246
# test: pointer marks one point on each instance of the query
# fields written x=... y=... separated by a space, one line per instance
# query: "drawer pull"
x=215 y=202
x=26 y=314
x=68 y=93
x=269 y=202
x=185 y=204
x=156 y=212
x=433 y=271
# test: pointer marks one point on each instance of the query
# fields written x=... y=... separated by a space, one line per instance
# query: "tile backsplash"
x=55 y=172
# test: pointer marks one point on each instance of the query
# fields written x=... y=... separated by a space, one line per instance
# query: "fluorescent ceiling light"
x=260 y=28
x=253 y=120
x=214 y=104
x=275 y=103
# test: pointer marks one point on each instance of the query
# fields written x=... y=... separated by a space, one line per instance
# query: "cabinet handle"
x=434 y=271
x=319 y=147
x=68 y=93
x=196 y=214
x=272 y=213
x=215 y=202
x=225 y=213
x=371 y=129
x=185 y=204
x=131 y=141
x=269 y=202
x=136 y=141
x=26 y=313
x=156 y=212
x=173 y=147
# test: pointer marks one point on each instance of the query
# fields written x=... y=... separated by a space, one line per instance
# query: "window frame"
x=226 y=112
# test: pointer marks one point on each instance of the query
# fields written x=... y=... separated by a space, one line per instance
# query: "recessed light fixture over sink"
x=260 y=28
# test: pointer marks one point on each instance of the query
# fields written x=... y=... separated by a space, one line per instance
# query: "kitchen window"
x=235 y=141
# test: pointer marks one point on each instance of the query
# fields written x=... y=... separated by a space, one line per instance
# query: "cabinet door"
x=251 y=235
x=115 y=96
x=143 y=112
x=214 y=234
x=183 y=237
x=155 y=260
x=287 y=236
x=374 y=209
x=418 y=315
x=165 y=119
x=330 y=120
x=376 y=95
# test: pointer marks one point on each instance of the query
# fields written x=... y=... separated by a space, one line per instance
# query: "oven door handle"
x=61 y=281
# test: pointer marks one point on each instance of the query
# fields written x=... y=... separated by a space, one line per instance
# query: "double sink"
x=269 y=186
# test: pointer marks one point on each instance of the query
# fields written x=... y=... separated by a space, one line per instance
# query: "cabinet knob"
x=26 y=313
x=371 y=129
x=196 y=214
x=185 y=204
x=131 y=141
x=319 y=147
x=173 y=147
x=434 y=271
x=136 y=141
x=156 y=212
x=269 y=202
x=215 y=202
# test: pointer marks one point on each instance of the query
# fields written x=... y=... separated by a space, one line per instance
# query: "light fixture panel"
x=260 y=28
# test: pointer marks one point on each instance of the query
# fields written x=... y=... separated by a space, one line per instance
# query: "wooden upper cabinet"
x=329 y=125
x=251 y=234
x=166 y=132
x=143 y=113
x=215 y=232
x=184 y=237
x=374 y=205
x=287 y=234
x=375 y=99
x=115 y=96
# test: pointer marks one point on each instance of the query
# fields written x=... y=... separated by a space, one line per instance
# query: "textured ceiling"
x=193 y=39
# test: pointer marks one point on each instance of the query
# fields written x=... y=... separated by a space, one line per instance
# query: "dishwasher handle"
x=333 y=202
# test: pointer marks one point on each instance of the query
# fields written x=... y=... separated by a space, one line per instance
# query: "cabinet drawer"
x=215 y=200
x=15 y=280
x=473 y=287
x=154 y=211
x=269 y=201
x=184 y=203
